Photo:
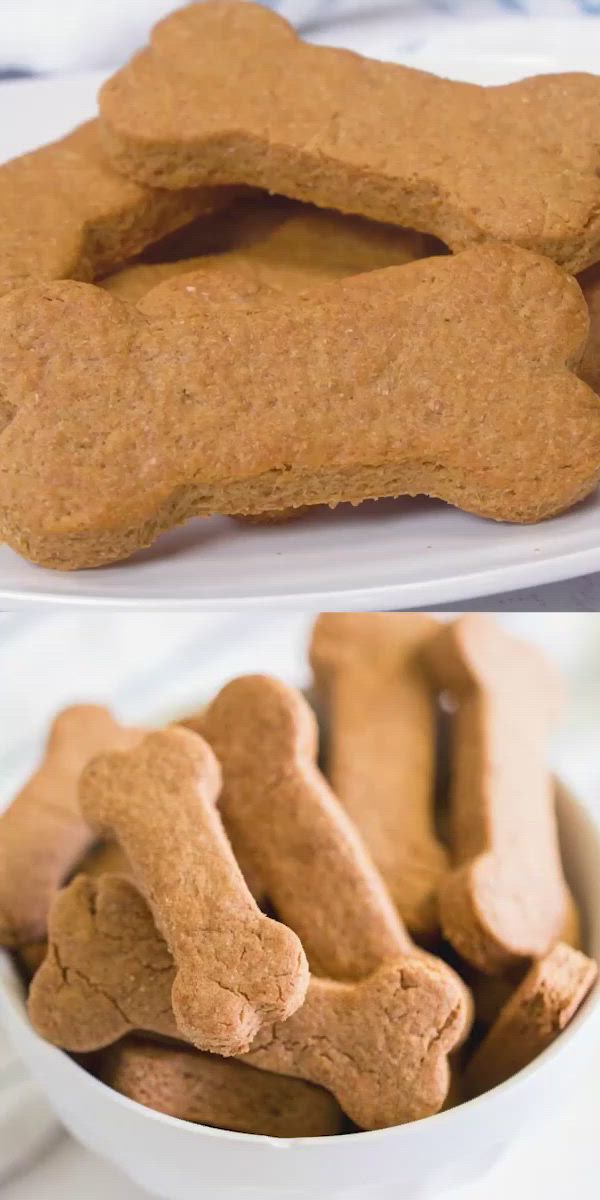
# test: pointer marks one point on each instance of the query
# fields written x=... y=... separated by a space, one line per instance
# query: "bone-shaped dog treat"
x=107 y=971
x=122 y=424
x=379 y=1046
x=236 y=969
x=304 y=845
x=380 y=714
x=228 y=94
x=291 y=246
x=66 y=214
x=506 y=900
x=43 y=834
x=537 y=1012
x=219 y=1091
x=296 y=838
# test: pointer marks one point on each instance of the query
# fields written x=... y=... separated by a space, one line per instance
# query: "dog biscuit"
x=107 y=971
x=291 y=246
x=236 y=968
x=216 y=1091
x=227 y=93
x=276 y=801
x=105 y=858
x=121 y=423
x=66 y=214
x=380 y=712
x=296 y=837
x=42 y=833
x=506 y=898
x=537 y=1012
x=380 y=1045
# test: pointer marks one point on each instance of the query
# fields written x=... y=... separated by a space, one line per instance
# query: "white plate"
x=393 y=554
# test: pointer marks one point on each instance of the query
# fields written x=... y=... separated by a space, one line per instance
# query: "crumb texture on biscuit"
x=300 y=838
x=129 y=422
x=236 y=968
x=381 y=1045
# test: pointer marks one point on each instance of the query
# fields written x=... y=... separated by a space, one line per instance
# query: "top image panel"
x=283 y=324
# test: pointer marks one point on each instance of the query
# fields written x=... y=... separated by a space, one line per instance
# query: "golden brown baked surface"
x=380 y=1045
x=215 y=400
x=236 y=968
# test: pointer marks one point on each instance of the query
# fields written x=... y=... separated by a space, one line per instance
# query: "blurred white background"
x=148 y=665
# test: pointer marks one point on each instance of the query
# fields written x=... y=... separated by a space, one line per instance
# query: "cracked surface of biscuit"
x=343 y=131
x=380 y=1046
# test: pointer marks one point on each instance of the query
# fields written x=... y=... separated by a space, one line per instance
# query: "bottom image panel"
x=326 y=884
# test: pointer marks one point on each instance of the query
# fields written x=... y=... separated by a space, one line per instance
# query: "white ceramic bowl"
x=180 y=1161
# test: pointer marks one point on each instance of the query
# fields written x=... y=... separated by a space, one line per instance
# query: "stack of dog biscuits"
x=272 y=275
x=239 y=938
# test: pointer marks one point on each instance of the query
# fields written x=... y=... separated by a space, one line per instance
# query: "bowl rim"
x=588 y=1011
